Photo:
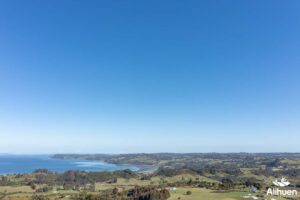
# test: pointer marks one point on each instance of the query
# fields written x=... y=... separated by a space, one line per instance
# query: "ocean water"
x=11 y=164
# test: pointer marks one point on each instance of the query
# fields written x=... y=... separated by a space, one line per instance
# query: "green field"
x=204 y=194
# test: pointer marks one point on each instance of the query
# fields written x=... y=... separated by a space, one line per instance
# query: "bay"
x=14 y=164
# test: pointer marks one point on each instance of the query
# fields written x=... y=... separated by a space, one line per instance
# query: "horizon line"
x=41 y=154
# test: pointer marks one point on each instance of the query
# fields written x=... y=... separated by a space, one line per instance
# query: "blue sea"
x=12 y=164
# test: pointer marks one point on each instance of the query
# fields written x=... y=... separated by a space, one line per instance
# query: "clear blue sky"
x=149 y=76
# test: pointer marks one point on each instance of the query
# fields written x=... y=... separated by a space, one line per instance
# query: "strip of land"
x=164 y=176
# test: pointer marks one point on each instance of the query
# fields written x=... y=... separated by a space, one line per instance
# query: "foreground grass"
x=204 y=194
x=24 y=193
x=16 y=189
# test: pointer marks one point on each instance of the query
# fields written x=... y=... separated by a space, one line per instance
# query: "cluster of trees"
x=198 y=169
x=137 y=193
x=194 y=183
x=5 y=181
x=287 y=172
x=224 y=183
x=75 y=179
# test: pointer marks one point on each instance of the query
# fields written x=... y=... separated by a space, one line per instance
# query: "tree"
x=227 y=183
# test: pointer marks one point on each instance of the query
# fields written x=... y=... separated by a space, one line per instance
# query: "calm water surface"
x=10 y=164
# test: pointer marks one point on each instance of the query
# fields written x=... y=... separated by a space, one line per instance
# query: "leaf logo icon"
x=282 y=183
